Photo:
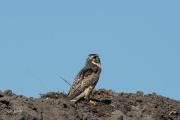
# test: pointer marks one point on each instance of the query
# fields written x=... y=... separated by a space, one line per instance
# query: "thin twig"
x=65 y=80
x=37 y=79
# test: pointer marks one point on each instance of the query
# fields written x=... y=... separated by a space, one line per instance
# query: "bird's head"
x=94 y=58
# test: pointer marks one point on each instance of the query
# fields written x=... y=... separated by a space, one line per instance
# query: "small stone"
x=7 y=93
x=20 y=96
x=140 y=93
x=31 y=98
x=154 y=94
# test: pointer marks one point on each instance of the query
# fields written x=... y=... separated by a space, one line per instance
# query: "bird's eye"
x=95 y=57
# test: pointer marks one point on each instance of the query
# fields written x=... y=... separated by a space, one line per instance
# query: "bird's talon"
x=93 y=102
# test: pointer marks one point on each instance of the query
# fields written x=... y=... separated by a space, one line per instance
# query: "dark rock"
x=140 y=93
x=7 y=93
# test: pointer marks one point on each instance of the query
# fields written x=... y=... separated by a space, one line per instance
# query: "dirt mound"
x=111 y=106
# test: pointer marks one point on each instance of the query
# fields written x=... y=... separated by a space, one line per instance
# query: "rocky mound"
x=111 y=106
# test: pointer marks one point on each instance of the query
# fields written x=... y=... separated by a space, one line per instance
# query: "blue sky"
x=138 y=43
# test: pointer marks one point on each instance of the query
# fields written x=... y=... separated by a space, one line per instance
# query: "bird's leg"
x=91 y=101
x=87 y=96
x=82 y=95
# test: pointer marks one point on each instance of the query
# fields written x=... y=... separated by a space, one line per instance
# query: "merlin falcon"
x=86 y=80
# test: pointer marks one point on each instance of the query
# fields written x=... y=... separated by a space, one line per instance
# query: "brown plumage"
x=86 y=79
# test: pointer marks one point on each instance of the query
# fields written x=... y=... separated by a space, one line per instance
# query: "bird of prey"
x=86 y=79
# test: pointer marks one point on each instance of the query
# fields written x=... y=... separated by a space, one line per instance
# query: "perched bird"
x=86 y=79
